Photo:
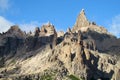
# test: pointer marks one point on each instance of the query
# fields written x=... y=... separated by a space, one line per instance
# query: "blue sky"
x=62 y=13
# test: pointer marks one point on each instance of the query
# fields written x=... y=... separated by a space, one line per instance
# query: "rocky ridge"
x=87 y=52
x=84 y=25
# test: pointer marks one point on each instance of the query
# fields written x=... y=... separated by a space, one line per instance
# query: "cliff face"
x=105 y=41
x=16 y=42
x=87 y=52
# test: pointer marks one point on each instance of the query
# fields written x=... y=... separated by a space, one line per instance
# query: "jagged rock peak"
x=14 y=28
x=82 y=18
x=48 y=23
x=82 y=12
x=15 y=31
x=69 y=30
x=47 y=30
x=81 y=21
x=84 y=25
x=37 y=31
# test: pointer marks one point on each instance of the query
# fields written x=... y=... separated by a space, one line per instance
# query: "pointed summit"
x=82 y=11
x=81 y=21
x=15 y=31
x=47 y=30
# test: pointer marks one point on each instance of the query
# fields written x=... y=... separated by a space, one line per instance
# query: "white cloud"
x=4 y=5
x=29 y=26
x=115 y=26
x=4 y=24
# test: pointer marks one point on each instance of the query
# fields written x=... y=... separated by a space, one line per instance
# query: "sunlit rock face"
x=47 y=30
x=81 y=21
x=84 y=25
x=85 y=52
x=105 y=41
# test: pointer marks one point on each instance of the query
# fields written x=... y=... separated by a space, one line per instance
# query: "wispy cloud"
x=29 y=26
x=4 y=5
x=115 y=26
x=4 y=24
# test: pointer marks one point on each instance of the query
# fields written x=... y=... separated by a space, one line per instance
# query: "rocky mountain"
x=85 y=52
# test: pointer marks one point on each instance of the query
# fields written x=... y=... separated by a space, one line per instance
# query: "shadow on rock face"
x=93 y=72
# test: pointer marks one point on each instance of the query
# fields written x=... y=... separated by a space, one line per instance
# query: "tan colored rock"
x=47 y=30
x=75 y=55
x=79 y=52
x=84 y=25
x=87 y=54
x=81 y=21
x=60 y=34
x=79 y=37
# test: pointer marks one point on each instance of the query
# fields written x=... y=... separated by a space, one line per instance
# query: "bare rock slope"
x=85 y=52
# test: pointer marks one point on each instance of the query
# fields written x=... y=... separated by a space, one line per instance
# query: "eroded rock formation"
x=83 y=52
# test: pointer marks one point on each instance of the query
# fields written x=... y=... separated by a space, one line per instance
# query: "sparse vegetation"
x=47 y=77
x=73 y=77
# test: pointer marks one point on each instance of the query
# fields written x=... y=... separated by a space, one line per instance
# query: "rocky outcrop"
x=60 y=34
x=15 y=40
x=47 y=30
x=82 y=61
x=84 y=25
x=11 y=41
x=105 y=41
x=81 y=21
x=80 y=53
x=37 y=31
x=15 y=31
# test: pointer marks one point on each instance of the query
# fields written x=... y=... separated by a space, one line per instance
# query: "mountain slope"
x=86 y=52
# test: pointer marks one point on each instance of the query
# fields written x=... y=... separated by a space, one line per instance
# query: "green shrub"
x=72 y=77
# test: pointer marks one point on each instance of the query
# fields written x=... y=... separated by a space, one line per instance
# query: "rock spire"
x=81 y=21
